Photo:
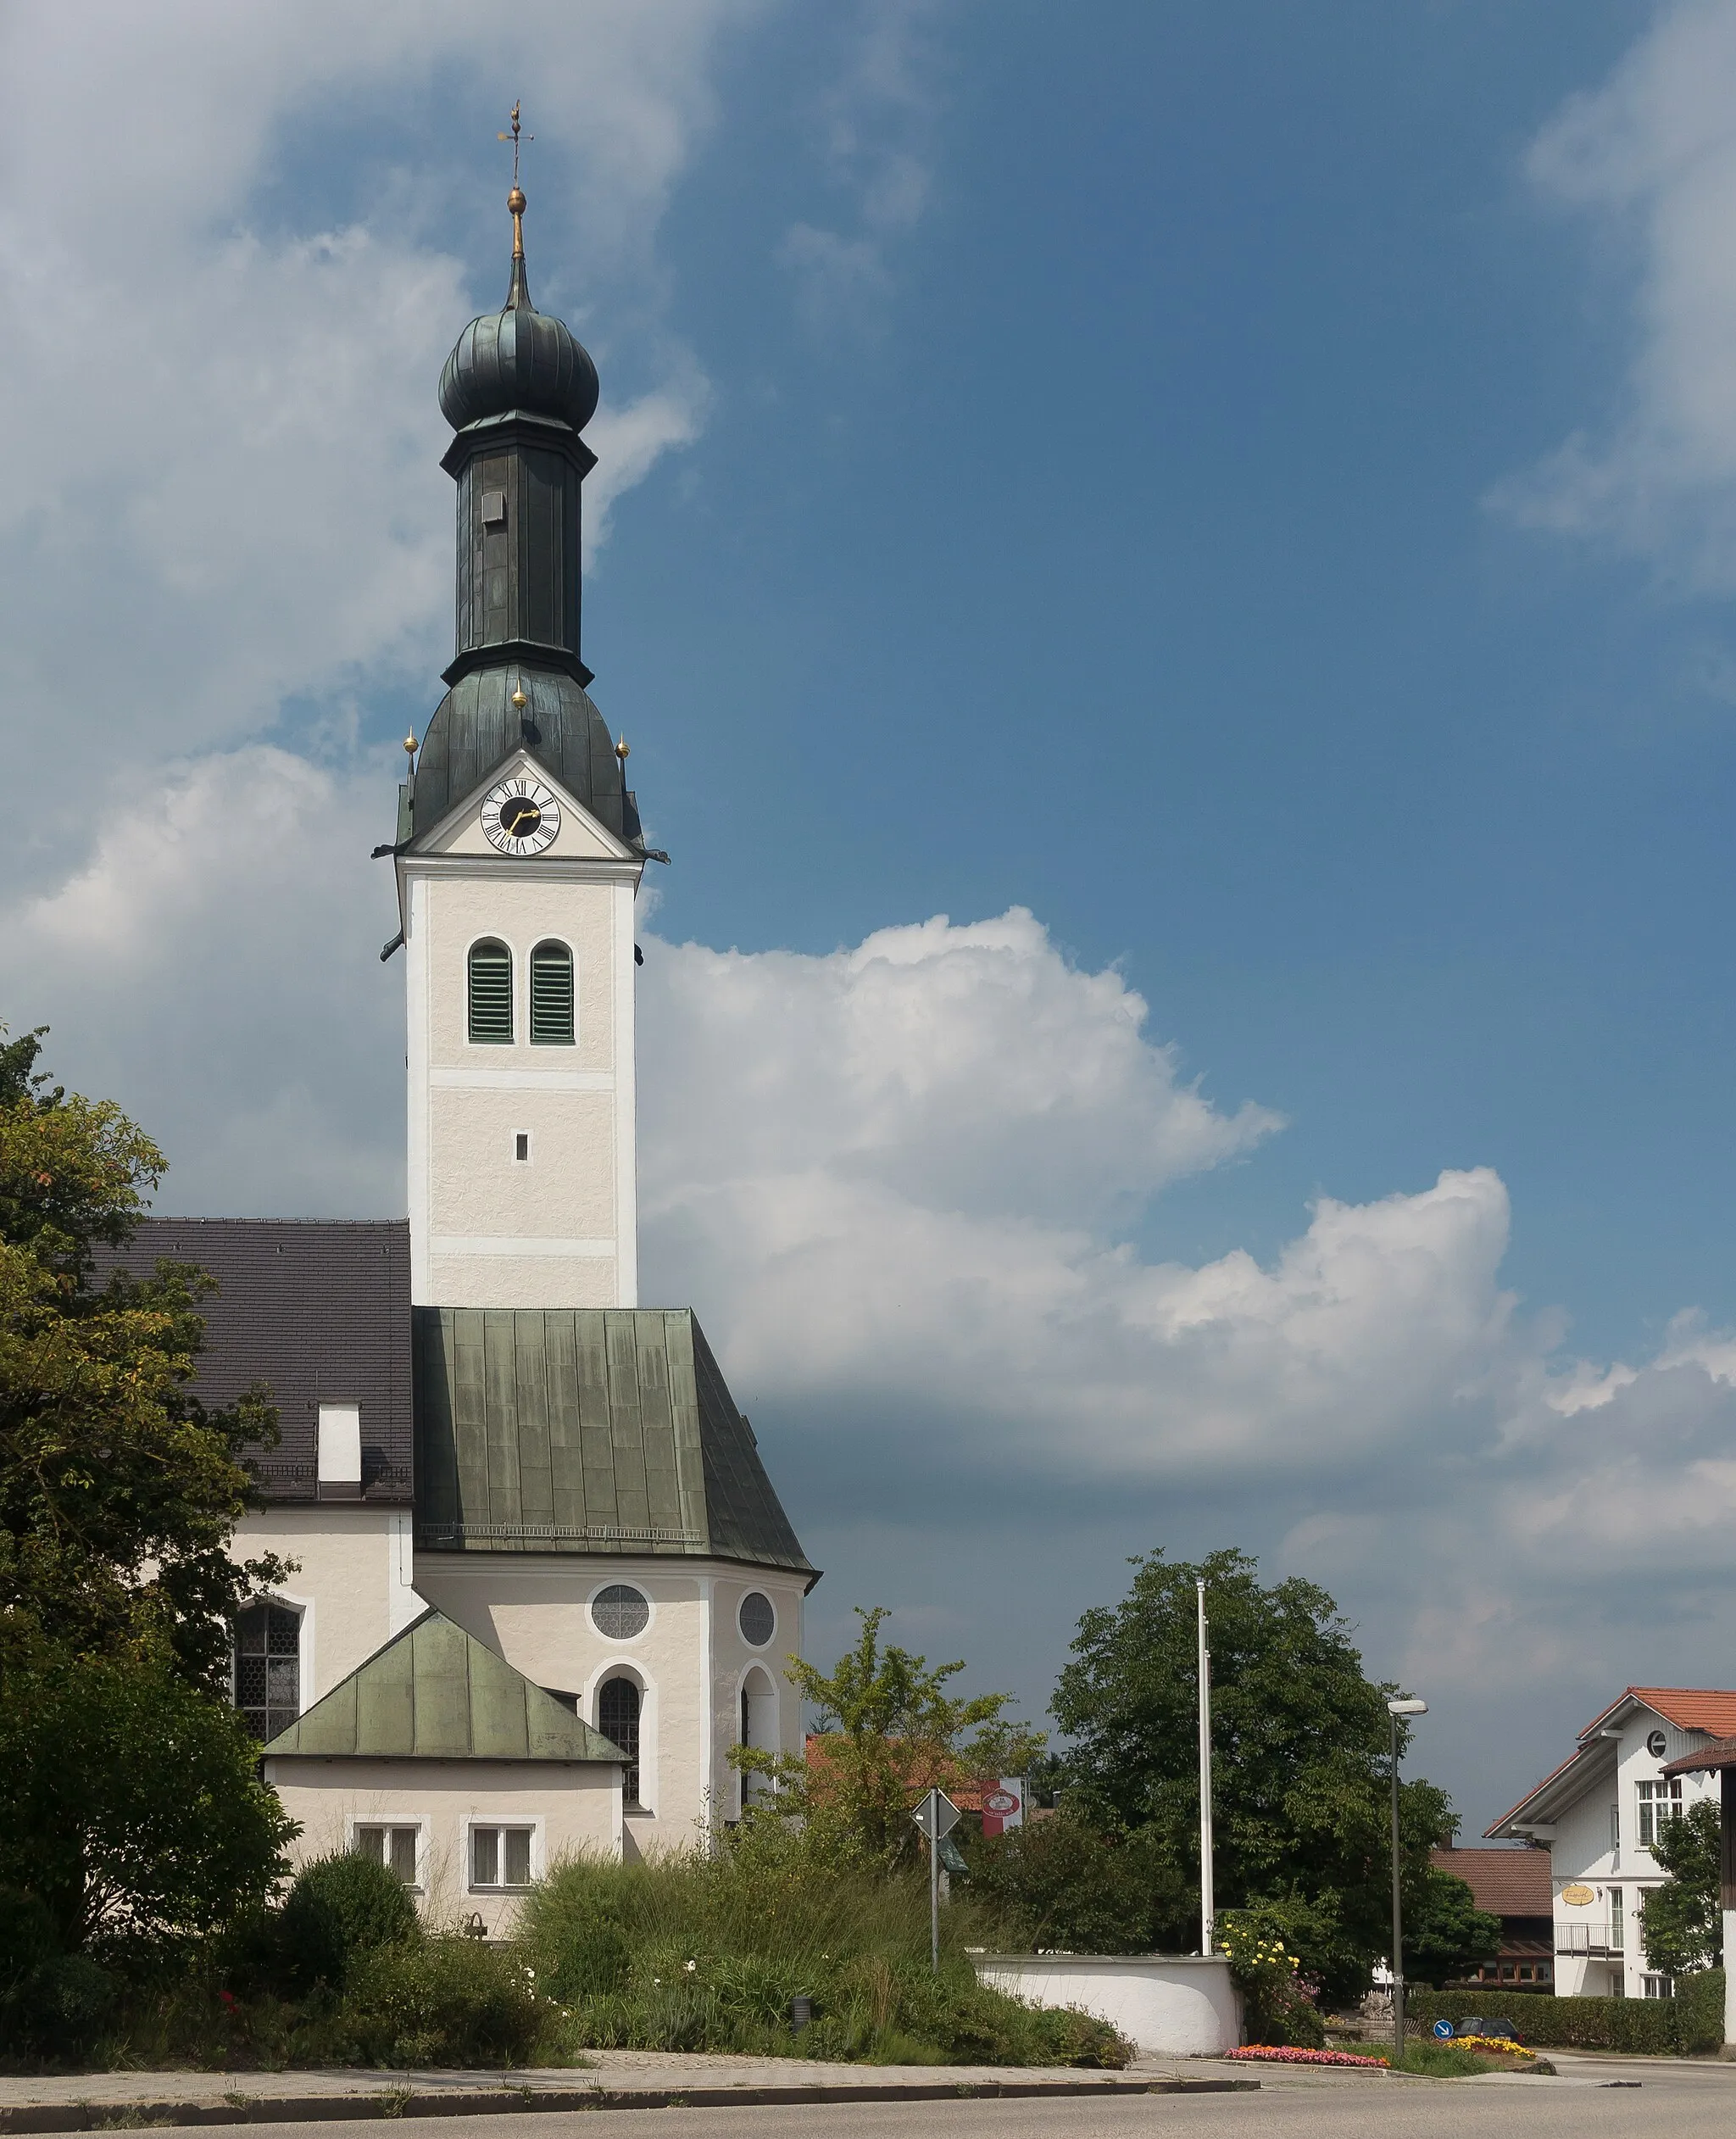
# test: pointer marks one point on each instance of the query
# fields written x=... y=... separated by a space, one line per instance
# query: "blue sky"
x=1249 y=485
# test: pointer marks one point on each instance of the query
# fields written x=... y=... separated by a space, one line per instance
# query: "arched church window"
x=551 y=996
x=267 y=1668
x=491 y=994
x=618 y=1719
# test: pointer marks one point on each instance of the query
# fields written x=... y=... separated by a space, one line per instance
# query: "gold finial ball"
x=409 y=745
x=621 y=750
x=518 y=698
x=515 y=201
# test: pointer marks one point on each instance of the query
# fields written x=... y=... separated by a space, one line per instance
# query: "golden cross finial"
x=515 y=198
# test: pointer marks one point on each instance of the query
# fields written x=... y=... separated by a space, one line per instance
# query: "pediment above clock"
x=463 y=830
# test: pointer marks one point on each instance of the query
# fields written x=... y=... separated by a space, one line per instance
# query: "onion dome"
x=518 y=359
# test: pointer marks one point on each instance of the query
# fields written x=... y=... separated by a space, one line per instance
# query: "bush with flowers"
x=1278 y=2011
x=1293 y=2053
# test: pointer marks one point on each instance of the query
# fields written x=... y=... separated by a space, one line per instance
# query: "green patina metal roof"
x=586 y=1430
x=435 y=1692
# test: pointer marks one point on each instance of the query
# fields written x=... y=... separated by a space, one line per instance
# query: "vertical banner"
x=1003 y=1805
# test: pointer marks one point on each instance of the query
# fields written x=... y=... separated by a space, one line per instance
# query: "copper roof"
x=1506 y=1882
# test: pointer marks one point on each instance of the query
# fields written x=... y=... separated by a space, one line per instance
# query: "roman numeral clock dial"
x=521 y=816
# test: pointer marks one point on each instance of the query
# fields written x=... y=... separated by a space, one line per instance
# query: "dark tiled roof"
x=319 y=1309
x=586 y=1430
x=434 y=1692
x=1506 y=1882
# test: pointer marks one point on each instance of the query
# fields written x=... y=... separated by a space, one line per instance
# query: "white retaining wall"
x=1174 y=2008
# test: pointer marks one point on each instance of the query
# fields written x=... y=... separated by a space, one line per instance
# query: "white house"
x=1598 y=1814
x=541 y=1583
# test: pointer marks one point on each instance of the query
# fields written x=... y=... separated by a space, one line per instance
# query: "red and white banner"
x=1003 y=1805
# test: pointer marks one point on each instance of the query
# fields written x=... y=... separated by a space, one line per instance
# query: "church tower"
x=519 y=856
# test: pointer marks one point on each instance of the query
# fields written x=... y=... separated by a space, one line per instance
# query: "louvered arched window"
x=552 y=996
x=491 y=994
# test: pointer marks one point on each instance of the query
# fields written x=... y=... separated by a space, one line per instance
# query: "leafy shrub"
x=1083 y=1887
x=340 y=1909
x=444 y=2001
x=1691 y=2021
x=52 y=2003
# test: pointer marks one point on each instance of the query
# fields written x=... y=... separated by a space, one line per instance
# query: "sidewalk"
x=615 y=2079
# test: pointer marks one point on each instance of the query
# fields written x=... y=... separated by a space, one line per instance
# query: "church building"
x=542 y=1584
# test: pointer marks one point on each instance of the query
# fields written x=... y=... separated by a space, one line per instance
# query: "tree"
x=889 y=1729
x=119 y=1491
x=1071 y=1883
x=1683 y=1927
x=1447 y=1937
x=1300 y=1739
x=129 y=1801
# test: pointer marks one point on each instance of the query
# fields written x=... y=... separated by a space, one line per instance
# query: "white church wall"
x=557 y=1230
x=689 y=1661
x=572 y=1808
x=352 y=1581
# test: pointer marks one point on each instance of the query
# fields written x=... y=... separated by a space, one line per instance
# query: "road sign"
x=936 y=1815
x=1443 y=2029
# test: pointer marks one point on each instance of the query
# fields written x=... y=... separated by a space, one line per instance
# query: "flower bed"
x=1498 y=2045
x=1278 y=2053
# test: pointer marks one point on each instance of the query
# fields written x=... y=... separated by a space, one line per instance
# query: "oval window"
x=1655 y=1745
x=757 y=1619
x=619 y=1612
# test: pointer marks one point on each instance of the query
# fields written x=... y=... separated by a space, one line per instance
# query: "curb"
x=394 y=2101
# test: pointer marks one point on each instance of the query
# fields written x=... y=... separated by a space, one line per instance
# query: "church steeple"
x=518 y=389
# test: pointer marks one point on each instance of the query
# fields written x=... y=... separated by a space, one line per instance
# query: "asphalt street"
x=1582 y=2103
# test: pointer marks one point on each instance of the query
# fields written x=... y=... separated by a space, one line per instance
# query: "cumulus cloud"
x=1650 y=159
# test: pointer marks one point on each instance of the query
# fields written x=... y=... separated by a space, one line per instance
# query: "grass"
x=1445 y=2061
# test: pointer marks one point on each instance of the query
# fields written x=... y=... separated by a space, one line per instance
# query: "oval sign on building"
x=1577 y=1897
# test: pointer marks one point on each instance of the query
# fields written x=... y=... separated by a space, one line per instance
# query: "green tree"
x=1072 y=1883
x=130 y=1802
x=1683 y=1927
x=1447 y=1937
x=119 y=1491
x=1300 y=1740
x=889 y=1729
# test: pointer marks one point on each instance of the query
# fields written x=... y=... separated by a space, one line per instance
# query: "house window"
x=491 y=995
x=393 y=1847
x=551 y=996
x=500 y=1857
x=268 y=1668
x=1617 y=1935
x=618 y=1719
x=1657 y=1986
x=1658 y=1801
x=1614 y=1828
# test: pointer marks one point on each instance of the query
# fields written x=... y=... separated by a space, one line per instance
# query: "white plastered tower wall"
x=559 y=1226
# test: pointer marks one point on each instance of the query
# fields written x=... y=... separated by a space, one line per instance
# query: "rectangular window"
x=500 y=1857
x=1617 y=1936
x=1614 y=1828
x=1658 y=1801
x=394 y=1846
x=1658 y=1987
x=521 y=1147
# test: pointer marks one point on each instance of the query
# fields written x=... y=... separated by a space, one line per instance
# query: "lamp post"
x=1394 y=1710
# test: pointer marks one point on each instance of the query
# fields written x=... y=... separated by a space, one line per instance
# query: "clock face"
x=520 y=816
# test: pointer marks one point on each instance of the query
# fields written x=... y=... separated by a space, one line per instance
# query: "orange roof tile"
x=1689 y=1707
x=1507 y=1882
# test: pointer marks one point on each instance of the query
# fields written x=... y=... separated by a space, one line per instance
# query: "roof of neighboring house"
x=319 y=1309
x=1720 y=1754
x=435 y=1692
x=1507 y=1882
x=1689 y=1707
x=586 y=1430
x=1589 y=1762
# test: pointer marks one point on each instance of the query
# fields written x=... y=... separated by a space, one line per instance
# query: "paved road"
x=1580 y=2104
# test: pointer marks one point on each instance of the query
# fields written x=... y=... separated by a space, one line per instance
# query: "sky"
x=1169 y=574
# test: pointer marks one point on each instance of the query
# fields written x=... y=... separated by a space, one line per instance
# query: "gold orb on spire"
x=622 y=752
x=518 y=697
x=411 y=745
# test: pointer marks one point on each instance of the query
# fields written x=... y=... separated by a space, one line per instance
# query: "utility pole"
x=1207 y=1904
x=1394 y=1710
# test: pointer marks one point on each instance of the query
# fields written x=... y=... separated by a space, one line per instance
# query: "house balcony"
x=1589 y=1941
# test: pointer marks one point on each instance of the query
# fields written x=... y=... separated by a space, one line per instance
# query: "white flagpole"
x=1207 y=1909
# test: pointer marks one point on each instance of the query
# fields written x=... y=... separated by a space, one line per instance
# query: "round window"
x=619 y=1612
x=1656 y=1745
x=757 y=1619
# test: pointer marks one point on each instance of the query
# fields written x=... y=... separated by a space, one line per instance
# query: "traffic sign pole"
x=934 y=1886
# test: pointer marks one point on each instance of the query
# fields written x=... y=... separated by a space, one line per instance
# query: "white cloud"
x=221 y=494
x=1651 y=158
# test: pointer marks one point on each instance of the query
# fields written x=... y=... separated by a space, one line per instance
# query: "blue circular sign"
x=1442 y=2028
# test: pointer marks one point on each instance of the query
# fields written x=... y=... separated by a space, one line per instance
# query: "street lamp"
x=1395 y=1709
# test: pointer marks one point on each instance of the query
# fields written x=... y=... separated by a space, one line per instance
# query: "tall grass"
x=709 y=1952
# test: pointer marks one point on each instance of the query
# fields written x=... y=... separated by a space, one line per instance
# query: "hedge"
x=1691 y=2024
